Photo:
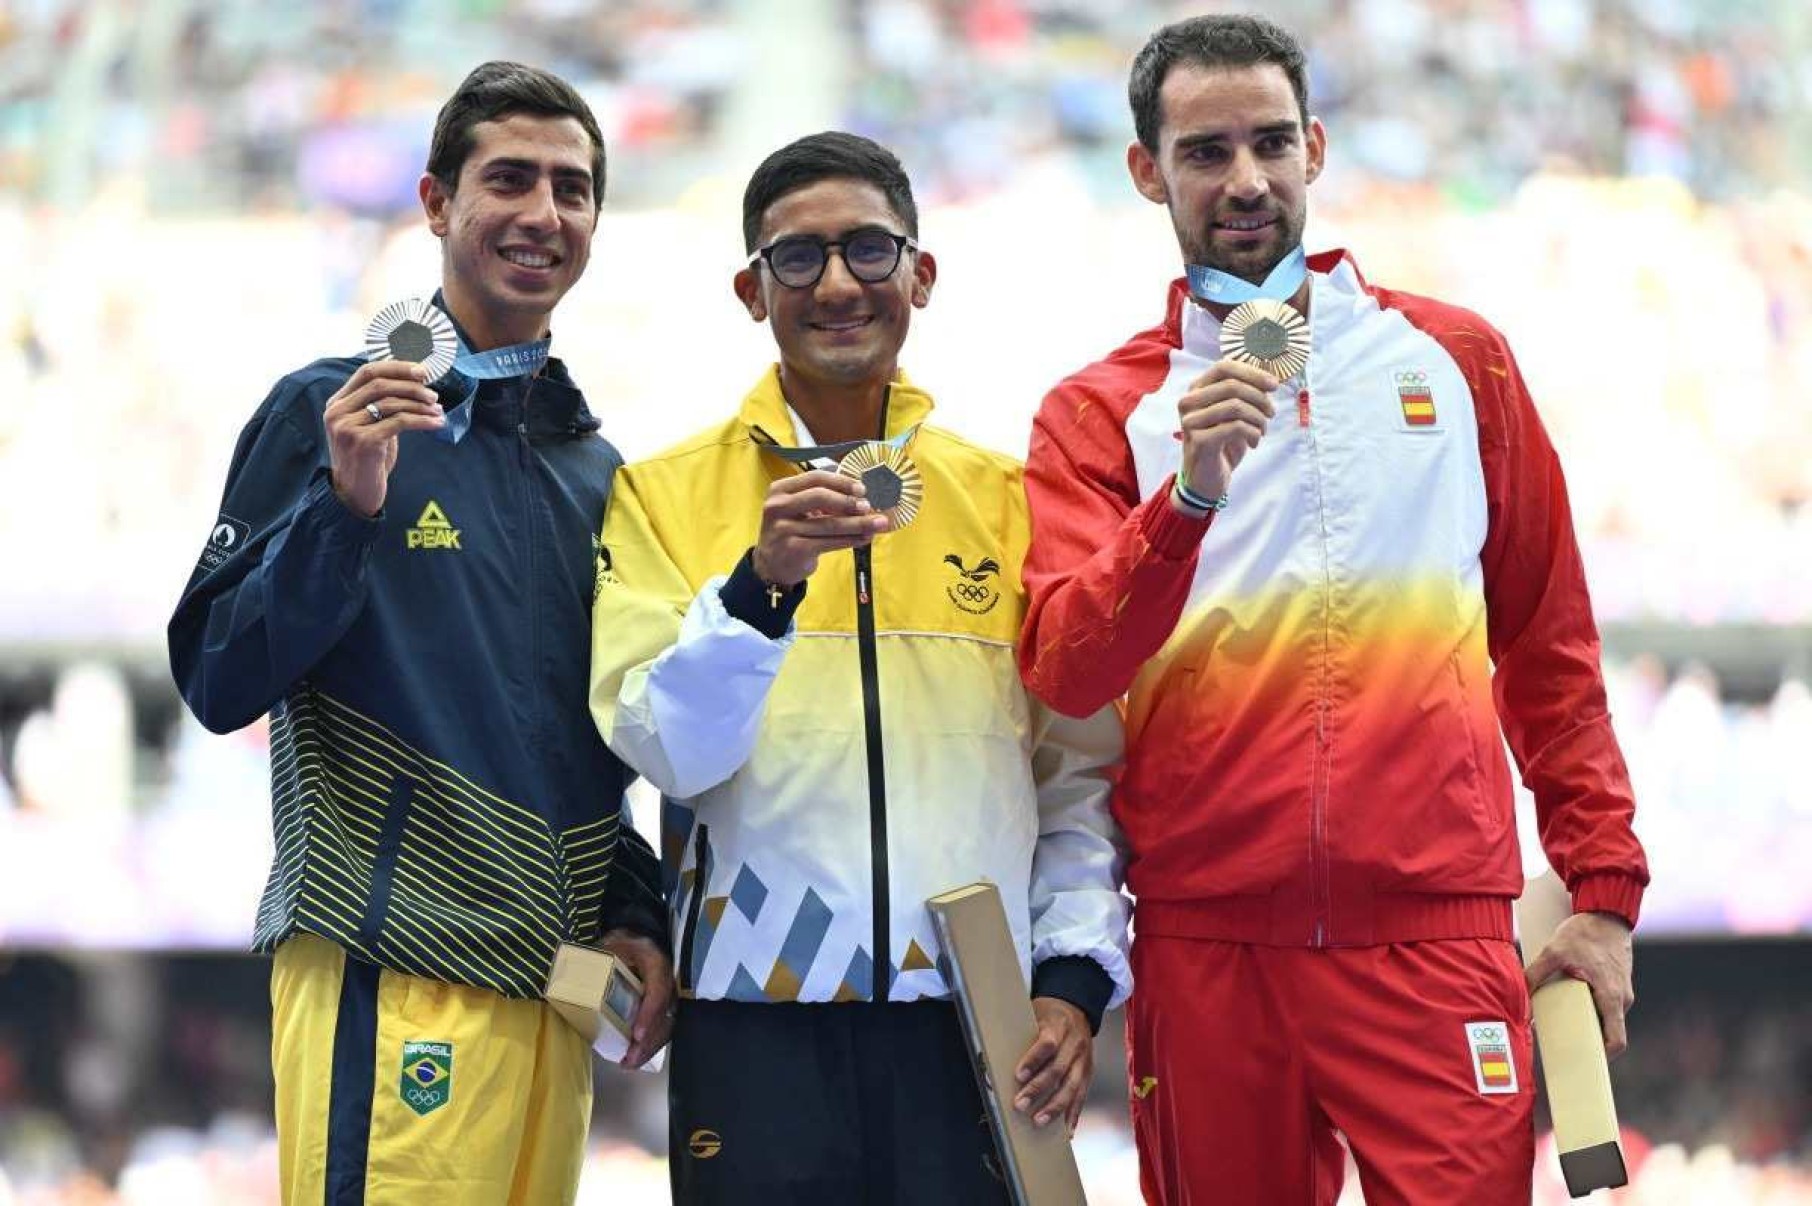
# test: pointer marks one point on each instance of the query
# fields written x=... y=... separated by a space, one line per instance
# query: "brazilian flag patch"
x=427 y=1075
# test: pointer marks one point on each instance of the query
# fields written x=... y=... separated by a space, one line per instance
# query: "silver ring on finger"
x=375 y=411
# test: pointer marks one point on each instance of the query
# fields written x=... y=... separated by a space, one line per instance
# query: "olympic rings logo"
x=972 y=597
x=1414 y=377
x=421 y=1097
x=1489 y=1034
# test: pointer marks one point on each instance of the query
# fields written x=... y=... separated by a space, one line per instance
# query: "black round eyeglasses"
x=798 y=261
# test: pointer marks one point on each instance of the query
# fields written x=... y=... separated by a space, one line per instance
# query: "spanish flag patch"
x=1417 y=400
x=1493 y=1064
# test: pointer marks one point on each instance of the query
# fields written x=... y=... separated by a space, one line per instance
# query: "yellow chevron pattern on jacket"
x=408 y=863
x=786 y=911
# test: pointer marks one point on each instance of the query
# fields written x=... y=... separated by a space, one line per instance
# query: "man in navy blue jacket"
x=402 y=576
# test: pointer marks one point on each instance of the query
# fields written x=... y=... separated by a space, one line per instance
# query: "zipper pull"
x=1302 y=407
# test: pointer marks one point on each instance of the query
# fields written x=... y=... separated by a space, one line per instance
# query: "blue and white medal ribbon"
x=516 y=360
x=419 y=331
x=1263 y=328
x=1213 y=285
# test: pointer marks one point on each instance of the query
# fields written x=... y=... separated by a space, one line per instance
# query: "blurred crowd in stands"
x=235 y=104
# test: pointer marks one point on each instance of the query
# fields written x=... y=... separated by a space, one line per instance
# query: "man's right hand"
x=1222 y=418
x=806 y=516
x=361 y=446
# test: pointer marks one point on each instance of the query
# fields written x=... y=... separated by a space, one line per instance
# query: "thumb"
x=1547 y=965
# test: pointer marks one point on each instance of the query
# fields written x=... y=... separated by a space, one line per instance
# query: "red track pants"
x=1245 y=1060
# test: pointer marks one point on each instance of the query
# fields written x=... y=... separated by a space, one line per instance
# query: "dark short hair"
x=497 y=90
x=831 y=155
x=1220 y=41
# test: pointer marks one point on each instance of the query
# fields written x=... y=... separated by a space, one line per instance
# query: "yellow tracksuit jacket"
x=818 y=787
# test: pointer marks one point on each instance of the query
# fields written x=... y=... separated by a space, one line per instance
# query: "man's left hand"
x=1594 y=947
x=653 y=1024
x=1055 y=1072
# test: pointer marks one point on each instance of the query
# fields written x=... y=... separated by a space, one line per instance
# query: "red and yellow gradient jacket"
x=1315 y=680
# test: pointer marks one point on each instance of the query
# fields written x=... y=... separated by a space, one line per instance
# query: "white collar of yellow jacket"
x=765 y=406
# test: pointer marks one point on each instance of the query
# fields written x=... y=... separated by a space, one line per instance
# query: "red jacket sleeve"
x=1107 y=574
x=1544 y=643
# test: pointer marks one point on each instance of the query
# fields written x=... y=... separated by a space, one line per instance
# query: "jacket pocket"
x=383 y=864
x=1487 y=819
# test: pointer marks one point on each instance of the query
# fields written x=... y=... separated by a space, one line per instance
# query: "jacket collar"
x=764 y=407
x=558 y=406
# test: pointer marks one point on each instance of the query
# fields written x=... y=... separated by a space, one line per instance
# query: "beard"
x=1252 y=263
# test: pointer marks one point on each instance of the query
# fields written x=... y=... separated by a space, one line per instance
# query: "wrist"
x=1193 y=504
x=765 y=572
x=763 y=605
x=1077 y=981
x=1614 y=892
x=351 y=503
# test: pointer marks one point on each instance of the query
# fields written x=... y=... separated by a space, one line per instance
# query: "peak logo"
x=433 y=530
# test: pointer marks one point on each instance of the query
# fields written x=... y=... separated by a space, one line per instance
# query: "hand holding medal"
x=1227 y=410
x=848 y=495
x=420 y=332
x=385 y=397
x=807 y=515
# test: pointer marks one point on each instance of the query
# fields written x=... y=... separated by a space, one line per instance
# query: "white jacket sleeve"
x=1079 y=862
x=678 y=685
x=687 y=720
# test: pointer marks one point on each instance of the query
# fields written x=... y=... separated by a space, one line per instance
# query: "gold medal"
x=1269 y=334
x=414 y=330
x=893 y=483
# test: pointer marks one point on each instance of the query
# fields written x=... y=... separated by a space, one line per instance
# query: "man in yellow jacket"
x=816 y=668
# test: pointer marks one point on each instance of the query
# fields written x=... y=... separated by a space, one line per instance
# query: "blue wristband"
x=1196 y=502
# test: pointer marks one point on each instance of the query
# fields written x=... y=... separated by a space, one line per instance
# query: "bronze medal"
x=893 y=483
x=1272 y=335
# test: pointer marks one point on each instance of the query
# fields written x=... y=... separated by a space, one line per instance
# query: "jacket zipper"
x=688 y=977
x=526 y=460
x=877 y=774
x=877 y=770
x=1318 y=765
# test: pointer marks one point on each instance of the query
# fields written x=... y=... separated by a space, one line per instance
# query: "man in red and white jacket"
x=1321 y=597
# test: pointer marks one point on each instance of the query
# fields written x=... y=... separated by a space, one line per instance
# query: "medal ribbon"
x=1211 y=284
x=827 y=456
x=516 y=360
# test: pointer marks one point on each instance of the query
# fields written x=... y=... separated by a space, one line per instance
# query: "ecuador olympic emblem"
x=977 y=590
